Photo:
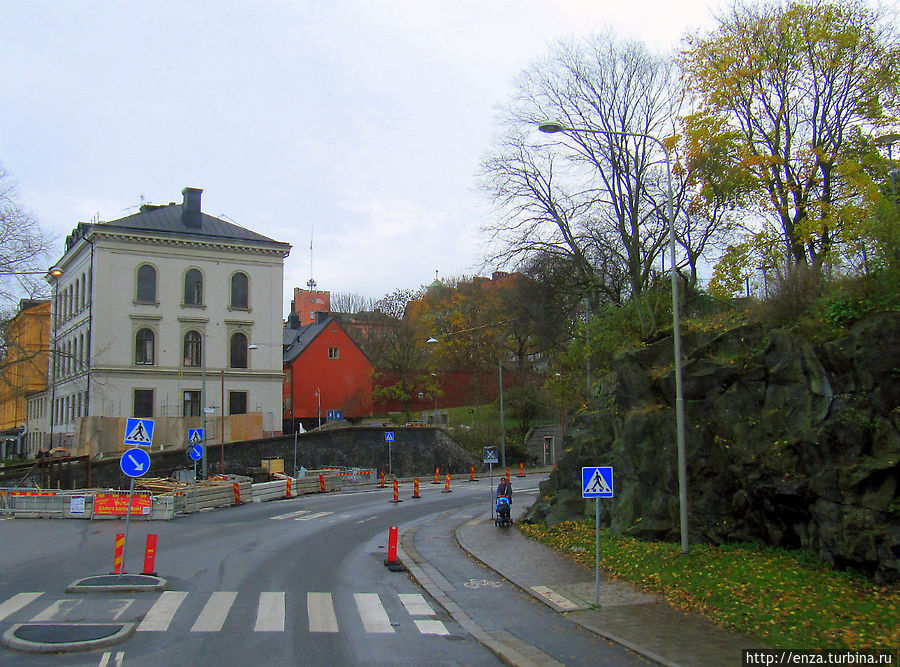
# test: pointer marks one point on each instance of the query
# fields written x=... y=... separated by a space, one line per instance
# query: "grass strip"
x=784 y=599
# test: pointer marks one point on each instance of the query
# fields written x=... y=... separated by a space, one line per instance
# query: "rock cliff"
x=788 y=443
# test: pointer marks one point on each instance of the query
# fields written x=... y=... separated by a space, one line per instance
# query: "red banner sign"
x=116 y=504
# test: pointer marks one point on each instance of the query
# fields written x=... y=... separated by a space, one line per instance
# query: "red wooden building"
x=325 y=373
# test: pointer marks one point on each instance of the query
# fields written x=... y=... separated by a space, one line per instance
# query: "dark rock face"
x=789 y=444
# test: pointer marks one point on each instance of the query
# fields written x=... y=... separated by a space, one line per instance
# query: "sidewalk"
x=646 y=624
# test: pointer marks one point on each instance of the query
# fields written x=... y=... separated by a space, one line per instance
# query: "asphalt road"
x=288 y=582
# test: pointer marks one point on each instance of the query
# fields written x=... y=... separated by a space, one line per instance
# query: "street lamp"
x=552 y=127
x=53 y=272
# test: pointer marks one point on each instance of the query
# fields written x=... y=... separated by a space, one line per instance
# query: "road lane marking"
x=555 y=598
x=56 y=611
x=372 y=613
x=315 y=515
x=270 y=613
x=162 y=612
x=415 y=604
x=117 y=661
x=320 y=609
x=16 y=602
x=431 y=627
x=369 y=519
x=290 y=515
x=215 y=611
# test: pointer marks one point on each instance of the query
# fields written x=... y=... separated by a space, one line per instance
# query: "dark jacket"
x=504 y=488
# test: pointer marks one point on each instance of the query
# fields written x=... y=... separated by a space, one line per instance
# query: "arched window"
x=193 y=349
x=193 y=287
x=238 y=357
x=146 y=284
x=144 y=347
x=240 y=295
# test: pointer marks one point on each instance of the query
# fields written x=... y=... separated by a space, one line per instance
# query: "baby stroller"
x=503 y=512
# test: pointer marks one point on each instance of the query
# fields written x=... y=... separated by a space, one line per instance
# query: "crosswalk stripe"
x=162 y=612
x=320 y=609
x=215 y=611
x=17 y=602
x=290 y=515
x=431 y=627
x=415 y=604
x=372 y=613
x=270 y=614
x=314 y=515
x=56 y=611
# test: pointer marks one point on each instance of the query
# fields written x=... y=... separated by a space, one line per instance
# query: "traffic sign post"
x=389 y=439
x=139 y=432
x=490 y=457
x=597 y=483
x=134 y=463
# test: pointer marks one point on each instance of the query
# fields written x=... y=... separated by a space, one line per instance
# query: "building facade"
x=154 y=315
x=23 y=372
x=326 y=374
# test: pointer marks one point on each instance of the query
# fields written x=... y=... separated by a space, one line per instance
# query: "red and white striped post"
x=416 y=488
x=396 y=492
x=287 y=488
x=117 y=557
x=150 y=555
x=392 y=547
x=322 y=483
x=237 y=493
x=437 y=474
x=447 y=488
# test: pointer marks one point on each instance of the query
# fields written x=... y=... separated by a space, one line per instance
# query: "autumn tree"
x=781 y=90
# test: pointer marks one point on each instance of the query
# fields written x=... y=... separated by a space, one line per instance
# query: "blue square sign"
x=597 y=482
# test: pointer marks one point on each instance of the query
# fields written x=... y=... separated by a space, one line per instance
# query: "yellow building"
x=23 y=369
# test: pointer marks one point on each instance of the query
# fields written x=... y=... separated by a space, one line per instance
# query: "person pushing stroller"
x=504 y=502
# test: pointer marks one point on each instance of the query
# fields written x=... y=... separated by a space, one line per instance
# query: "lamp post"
x=53 y=272
x=552 y=127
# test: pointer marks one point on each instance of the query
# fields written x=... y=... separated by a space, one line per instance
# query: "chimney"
x=190 y=211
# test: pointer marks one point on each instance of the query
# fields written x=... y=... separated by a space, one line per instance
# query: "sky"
x=354 y=125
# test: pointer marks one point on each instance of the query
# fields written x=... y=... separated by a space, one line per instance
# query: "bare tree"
x=597 y=198
x=24 y=249
x=351 y=302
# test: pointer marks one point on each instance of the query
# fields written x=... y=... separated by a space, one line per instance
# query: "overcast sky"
x=359 y=123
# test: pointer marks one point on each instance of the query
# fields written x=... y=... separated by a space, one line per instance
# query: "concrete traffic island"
x=65 y=637
x=118 y=583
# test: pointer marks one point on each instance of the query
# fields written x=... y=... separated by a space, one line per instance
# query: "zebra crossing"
x=301 y=515
x=270 y=607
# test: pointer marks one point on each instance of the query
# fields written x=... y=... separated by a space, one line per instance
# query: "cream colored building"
x=155 y=308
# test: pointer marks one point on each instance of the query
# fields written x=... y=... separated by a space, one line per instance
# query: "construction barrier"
x=210 y=495
x=447 y=488
x=416 y=488
x=472 y=473
x=287 y=490
x=382 y=479
x=521 y=470
x=396 y=492
x=437 y=474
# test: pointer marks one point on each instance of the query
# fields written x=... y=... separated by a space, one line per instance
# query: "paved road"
x=297 y=581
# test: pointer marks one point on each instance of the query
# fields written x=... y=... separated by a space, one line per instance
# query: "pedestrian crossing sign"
x=195 y=435
x=597 y=482
x=139 y=432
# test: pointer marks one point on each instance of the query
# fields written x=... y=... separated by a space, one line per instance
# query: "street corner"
x=65 y=637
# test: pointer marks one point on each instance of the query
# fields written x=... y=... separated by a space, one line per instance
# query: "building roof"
x=168 y=219
x=297 y=340
x=184 y=220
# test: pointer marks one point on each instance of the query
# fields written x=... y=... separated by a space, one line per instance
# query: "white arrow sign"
x=137 y=466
